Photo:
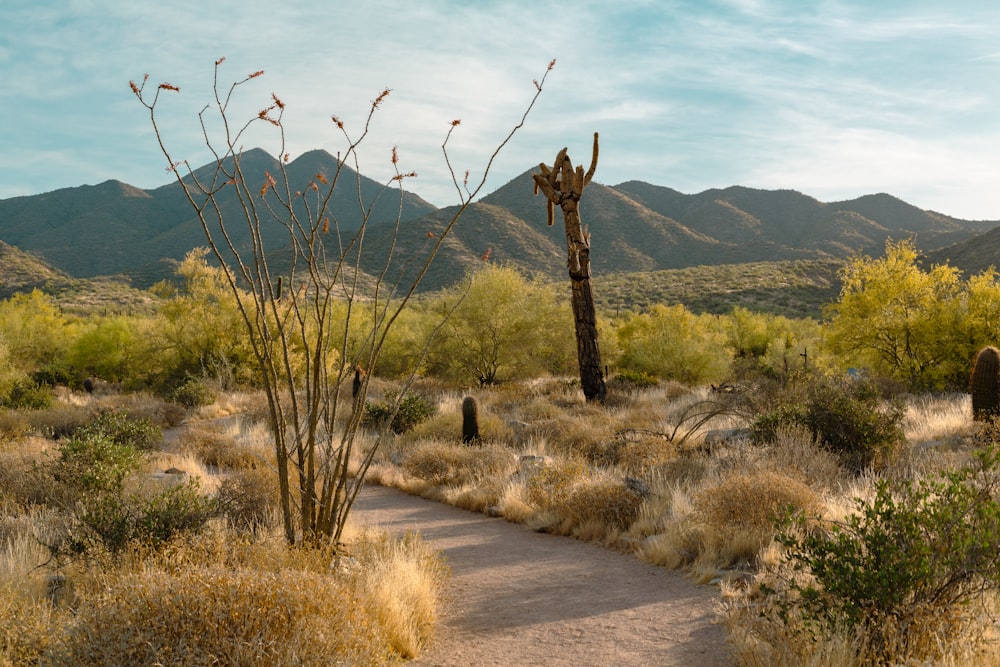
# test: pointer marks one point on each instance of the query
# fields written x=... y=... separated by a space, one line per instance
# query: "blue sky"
x=834 y=98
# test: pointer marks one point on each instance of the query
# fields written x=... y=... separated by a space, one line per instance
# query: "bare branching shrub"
x=308 y=326
x=248 y=499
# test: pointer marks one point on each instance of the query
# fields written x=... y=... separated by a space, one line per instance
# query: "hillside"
x=116 y=229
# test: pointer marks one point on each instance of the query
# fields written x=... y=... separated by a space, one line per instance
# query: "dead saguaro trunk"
x=563 y=185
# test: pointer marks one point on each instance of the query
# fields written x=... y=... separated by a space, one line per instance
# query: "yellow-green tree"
x=902 y=321
x=672 y=343
x=35 y=331
x=504 y=327
x=201 y=329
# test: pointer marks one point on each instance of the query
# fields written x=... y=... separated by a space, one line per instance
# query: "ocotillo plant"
x=985 y=384
x=470 y=420
x=563 y=185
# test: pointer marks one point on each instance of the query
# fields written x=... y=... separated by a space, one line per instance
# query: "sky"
x=833 y=98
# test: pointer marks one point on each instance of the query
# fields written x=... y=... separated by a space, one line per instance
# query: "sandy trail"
x=517 y=597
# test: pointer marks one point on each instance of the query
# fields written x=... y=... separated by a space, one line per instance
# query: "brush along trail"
x=518 y=597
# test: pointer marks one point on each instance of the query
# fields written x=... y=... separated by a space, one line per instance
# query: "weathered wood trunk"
x=563 y=185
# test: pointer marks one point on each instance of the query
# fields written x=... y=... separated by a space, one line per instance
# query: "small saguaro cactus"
x=985 y=384
x=470 y=420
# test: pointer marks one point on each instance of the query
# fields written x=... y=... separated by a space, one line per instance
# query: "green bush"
x=411 y=410
x=27 y=394
x=912 y=556
x=193 y=393
x=637 y=379
x=846 y=416
x=122 y=429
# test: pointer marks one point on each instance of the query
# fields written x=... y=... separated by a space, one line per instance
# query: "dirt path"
x=520 y=598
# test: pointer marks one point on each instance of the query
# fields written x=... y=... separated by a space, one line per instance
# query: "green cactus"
x=470 y=420
x=985 y=384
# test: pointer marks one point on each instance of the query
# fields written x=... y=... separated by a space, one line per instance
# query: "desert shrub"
x=737 y=517
x=247 y=499
x=52 y=375
x=27 y=394
x=94 y=462
x=847 y=416
x=112 y=523
x=633 y=379
x=27 y=627
x=900 y=569
x=412 y=409
x=122 y=429
x=193 y=393
x=633 y=452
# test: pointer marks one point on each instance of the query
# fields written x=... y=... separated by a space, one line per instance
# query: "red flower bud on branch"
x=321 y=178
x=339 y=122
x=457 y=121
x=168 y=86
x=378 y=100
x=395 y=155
x=259 y=72
x=220 y=60
x=281 y=105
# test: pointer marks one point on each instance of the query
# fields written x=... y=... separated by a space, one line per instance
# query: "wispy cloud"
x=837 y=98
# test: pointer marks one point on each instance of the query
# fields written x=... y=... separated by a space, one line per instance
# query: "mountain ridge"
x=114 y=228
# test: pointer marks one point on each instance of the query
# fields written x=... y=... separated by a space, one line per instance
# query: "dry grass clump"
x=444 y=463
x=446 y=424
x=632 y=451
x=59 y=420
x=14 y=425
x=749 y=503
x=161 y=413
x=219 y=615
x=400 y=580
x=603 y=501
x=794 y=453
x=714 y=526
x=216 y=445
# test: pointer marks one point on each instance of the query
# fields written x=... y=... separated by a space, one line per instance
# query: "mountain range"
x=115 y=229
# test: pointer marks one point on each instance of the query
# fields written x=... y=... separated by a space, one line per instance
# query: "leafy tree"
x=34 y=329
x=901 y=321
x=202 y=330
x=672 y=343
x=106 y=347
x=504 y=327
